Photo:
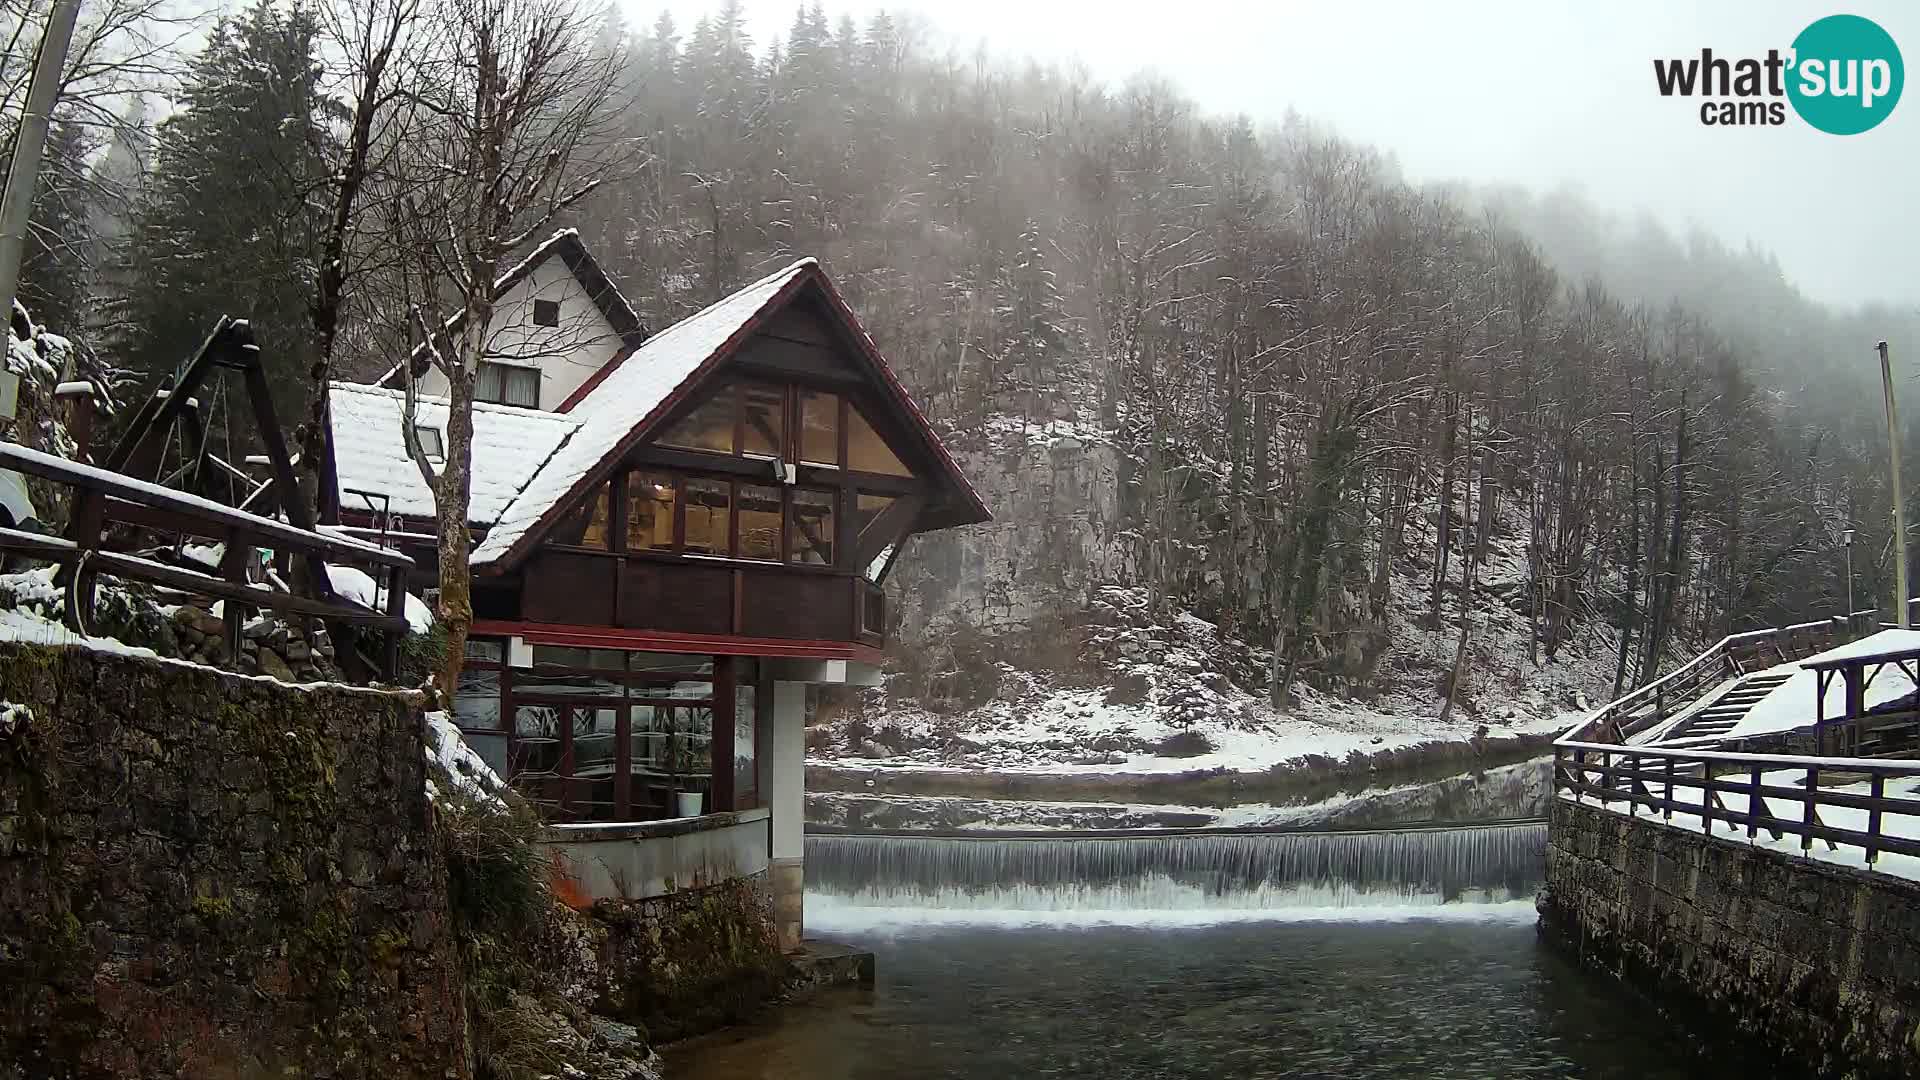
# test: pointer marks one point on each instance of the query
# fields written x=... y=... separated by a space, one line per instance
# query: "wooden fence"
x=1658 y=779
x=1730 y=657
x=103 y=498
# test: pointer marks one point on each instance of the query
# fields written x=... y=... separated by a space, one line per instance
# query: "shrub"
x=497 y=872
x=1184 y=744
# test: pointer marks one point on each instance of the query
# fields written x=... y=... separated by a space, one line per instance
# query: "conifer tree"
x=56 y=270
x=227 y=223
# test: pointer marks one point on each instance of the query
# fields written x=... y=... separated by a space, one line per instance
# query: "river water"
x=1400 y=954
x=1373 y=997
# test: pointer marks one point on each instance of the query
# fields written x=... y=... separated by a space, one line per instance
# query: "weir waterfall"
x=1246 y=871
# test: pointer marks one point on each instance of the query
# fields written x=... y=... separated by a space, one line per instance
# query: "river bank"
x=1304 y=779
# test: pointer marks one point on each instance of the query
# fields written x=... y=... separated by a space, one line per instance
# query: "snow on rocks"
x=447 y=750
x=12 y=717
x=1168 y=698
x=358 y=586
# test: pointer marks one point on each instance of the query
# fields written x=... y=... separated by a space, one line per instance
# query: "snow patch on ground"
x=1171 y=700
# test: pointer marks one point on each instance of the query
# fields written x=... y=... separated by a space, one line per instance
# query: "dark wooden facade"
x=797 y=360
x=752 y=514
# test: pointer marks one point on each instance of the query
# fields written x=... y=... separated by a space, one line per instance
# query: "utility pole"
x=1899 y=515
x=23 y=169
x=1846 y=537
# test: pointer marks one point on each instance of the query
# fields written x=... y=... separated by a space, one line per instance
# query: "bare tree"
x=518 y=111
x=375 y=41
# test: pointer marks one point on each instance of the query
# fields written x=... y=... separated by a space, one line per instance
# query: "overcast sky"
x=1539 y=94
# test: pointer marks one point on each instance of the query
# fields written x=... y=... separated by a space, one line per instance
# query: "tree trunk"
x=451 y=503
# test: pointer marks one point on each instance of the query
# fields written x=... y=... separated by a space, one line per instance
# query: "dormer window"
x=546 y=313
x=507 y=384
x=431 y=444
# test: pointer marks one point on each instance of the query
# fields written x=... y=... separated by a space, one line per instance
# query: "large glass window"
x=745 y=793
x=866 y=507
x=708 y=502
x=598 y=734
x=812 y=539
x=592 y=793
x=765 y=429
x=650 y=498
x=587 y=525
x=867 y=451
x=752 y=418
x=708 y=427
x=819 y=428
x=759 y=522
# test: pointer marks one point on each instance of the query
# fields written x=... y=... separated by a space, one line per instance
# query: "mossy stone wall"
x=691 y=961
x=208 y=875
x=1816 y=964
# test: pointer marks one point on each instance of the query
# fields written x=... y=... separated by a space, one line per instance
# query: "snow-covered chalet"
x=674 y=534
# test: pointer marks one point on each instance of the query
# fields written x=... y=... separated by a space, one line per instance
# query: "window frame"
x=438 y=451
x=543 y=307
x=793 y=423
x=637 y=686
x=507 y=370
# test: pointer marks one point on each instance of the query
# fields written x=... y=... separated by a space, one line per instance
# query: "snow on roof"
x=627 y=396
x=509 y=444
x=1880 y=644
x=1790 y=705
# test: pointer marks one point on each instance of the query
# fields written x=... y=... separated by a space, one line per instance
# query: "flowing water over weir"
x=1209 y=869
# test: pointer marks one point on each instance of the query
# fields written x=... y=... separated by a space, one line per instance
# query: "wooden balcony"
x=701 y=596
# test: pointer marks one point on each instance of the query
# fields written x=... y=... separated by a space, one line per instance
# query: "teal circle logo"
x=1846 y=75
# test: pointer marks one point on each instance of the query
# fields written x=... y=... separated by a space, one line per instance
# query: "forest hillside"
x=1277 y=442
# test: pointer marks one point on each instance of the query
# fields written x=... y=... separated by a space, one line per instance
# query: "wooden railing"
x=103 y=498
x=1658 y=779
x=1731 y=656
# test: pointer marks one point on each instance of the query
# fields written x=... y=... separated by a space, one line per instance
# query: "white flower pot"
x=687 y=803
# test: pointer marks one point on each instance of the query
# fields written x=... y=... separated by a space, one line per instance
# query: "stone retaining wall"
x=693 y=960
x=208 y=875
x=1814 y=962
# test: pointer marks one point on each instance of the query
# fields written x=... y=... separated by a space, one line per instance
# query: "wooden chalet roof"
x=629 y=397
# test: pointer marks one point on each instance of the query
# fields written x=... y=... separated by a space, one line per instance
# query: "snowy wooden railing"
x=103 y=497
x=1778 y=794
x=1730 y=657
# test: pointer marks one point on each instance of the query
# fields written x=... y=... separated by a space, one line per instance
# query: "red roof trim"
x=871 y=351
x=609 y=637
x=598 y=377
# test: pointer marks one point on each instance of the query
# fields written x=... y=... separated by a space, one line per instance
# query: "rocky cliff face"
x=1028 y=641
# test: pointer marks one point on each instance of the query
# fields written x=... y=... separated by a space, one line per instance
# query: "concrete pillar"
x=786 y=799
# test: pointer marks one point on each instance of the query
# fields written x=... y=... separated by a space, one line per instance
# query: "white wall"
x=608 y=862
x=788 y=773
x=566 y=354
